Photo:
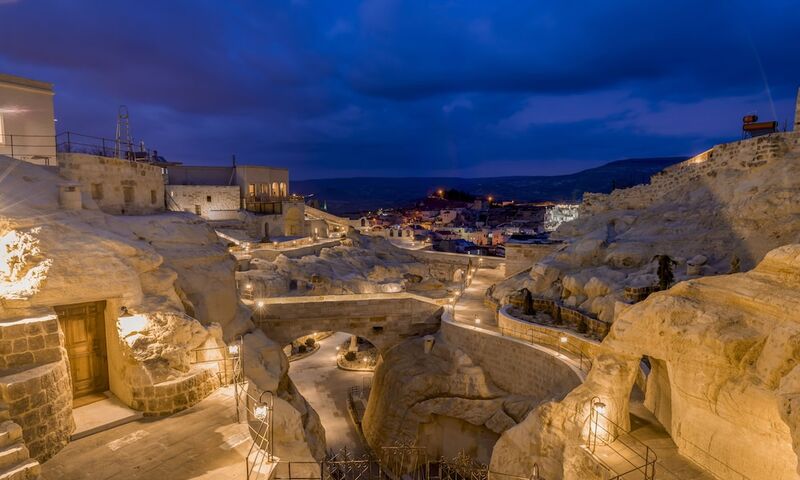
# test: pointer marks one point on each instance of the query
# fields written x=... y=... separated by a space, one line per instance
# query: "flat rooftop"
x=14 y=81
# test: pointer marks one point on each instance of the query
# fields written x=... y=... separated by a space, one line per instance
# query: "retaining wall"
x=542 y=334
x=741 y=155
x=35 y=383
x=515 y=366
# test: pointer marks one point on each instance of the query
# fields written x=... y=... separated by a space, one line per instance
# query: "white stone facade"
x=214 y=202
x=115 y=186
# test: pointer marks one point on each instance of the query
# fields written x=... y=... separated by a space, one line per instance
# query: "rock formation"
x=442 y=400
x=739 y=200
x=362 y=265
x=168 y=285
x=725 y=378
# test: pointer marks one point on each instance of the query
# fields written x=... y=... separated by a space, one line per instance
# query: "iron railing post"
x=11 y=140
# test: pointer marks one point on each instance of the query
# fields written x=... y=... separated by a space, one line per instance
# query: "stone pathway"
x=325 y=386
x=202 y=442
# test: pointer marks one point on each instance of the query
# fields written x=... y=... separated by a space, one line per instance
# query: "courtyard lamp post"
x=562 y=341
x=598 y=408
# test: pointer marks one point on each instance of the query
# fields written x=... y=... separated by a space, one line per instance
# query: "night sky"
x=336 y=88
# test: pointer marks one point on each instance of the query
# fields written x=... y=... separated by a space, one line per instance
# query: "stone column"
x=353 y=344
x=797 y=113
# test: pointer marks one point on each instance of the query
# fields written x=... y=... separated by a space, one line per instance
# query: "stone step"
x=10 y=433
x=13 y=455
x=27 y=470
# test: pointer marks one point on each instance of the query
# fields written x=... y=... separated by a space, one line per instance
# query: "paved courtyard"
x=325 y=387
x=202 y=442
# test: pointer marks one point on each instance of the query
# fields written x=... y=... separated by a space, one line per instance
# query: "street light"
x=260 y=411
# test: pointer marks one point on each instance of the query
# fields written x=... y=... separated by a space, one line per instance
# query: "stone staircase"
x=15 y=462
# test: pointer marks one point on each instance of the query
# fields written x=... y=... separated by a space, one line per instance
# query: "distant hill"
x=351 y=195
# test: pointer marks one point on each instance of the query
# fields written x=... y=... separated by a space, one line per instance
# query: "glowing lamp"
x=248 y=286
x=260 y=304
x=600 y=407
x=233 y=350
x=260 y=411
x=477 y=319
x=563 y=339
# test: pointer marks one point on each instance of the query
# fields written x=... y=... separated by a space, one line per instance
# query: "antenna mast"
x=124 y=144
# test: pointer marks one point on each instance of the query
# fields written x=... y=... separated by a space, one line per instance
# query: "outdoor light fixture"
x=248 y=286
x=477 y=319
x=600 y=407
x=563 y=339
x=233 y=349
x=260 y=411
x=260 y=304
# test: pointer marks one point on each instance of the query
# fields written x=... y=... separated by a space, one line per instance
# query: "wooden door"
x=83 y=325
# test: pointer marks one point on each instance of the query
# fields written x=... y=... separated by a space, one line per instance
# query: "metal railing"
x=637 y=459
x=261 y=410
x=396 y=462
x=42 y=148
x=584 y=361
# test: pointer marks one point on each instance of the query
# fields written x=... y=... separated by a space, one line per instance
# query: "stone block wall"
x=117 y=186
x=385 y=319
x=214 y=202
x=741 y=155
x=35 y=382
x=545 y=335
x=30 y=341
x=515 y=366
x=570 y=316
x=173 y=396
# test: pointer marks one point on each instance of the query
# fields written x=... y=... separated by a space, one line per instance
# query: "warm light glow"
x=233 y=350
x=477 y=319
x=248 y=286
x=600 y=408
x=260 y=304
x=260 y=412
x=563 y=339
x=130 y=326
x=20 y=277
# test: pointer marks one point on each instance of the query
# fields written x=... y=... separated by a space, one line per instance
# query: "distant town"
x=450 y=220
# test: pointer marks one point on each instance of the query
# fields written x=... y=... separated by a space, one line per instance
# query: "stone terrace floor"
x=203 y=442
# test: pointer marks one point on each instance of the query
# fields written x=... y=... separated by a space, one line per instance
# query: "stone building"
x=27 y=122
x=258 y=195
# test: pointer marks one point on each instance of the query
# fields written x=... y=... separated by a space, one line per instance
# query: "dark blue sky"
x=336 y=88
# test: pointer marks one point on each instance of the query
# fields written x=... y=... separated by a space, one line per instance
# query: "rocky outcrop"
x=361 y=265
x=442 y=400
x=168 y=286
x=718 y=212
x=725 y=358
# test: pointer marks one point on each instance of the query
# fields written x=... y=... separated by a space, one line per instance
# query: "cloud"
x=387 y=86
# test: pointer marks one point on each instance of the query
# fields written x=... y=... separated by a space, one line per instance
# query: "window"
x=208 y=198
x=97 y=191
x=2 y=131
x=153 y=197
x=127 y=194
x=251 y=190
x=197 y=209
